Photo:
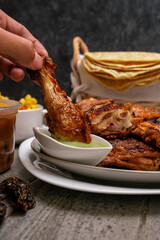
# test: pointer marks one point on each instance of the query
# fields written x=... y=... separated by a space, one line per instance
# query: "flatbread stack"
x=123 y=70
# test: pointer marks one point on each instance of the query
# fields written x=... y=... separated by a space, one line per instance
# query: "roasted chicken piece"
x=113 y=120
x=90 y=104
x=149 y=132
x=64 y=119
x=132 y=154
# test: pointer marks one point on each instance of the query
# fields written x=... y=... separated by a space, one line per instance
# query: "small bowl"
x=88 y=156
x=26 y=120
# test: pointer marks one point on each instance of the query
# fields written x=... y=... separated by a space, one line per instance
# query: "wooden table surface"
x=67 y=214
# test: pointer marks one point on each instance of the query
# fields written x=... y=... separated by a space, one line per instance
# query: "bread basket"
x=85 y=85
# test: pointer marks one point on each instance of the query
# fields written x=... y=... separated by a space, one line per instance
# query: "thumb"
x=20 y=50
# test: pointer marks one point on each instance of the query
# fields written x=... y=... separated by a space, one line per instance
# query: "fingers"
x=17 y=74
x=39 y=47
x=10 y=70
x=13 y=26
x=19 y=49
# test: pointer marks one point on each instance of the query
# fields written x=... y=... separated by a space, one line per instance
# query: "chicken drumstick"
x=64 y=119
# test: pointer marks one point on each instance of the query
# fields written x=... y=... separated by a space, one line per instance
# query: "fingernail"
x=37 y=62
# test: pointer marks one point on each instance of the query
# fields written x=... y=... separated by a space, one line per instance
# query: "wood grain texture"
x=66 y=214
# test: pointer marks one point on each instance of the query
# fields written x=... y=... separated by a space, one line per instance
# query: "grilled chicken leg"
x=64 y=119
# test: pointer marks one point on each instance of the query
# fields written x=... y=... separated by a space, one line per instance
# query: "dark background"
x=116 y=25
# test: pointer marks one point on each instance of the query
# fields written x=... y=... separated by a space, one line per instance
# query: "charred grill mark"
x=156 y=121
x=133 y=114
x=83 y=132
x=52 y=74
x=99 y=110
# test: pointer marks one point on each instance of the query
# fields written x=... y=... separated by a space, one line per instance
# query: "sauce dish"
x=84 y=155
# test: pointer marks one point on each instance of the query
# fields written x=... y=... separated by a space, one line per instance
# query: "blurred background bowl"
x=26 y=120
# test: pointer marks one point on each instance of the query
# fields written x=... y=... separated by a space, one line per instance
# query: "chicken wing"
x=113 y=120
x=132 y=154
x=64 y=119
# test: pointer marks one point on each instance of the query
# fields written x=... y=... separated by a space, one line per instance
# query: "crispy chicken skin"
x=90 y=104
x=64 y=119
x=113 y=120
x=132 y=154
x=149 y=132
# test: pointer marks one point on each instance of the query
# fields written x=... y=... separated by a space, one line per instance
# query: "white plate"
x=27 y=157
x=109 y=174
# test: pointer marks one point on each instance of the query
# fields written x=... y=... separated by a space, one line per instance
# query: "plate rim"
x=139 y=172
x=92 y=187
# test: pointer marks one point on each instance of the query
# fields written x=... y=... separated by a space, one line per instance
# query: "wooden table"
x=67 y=214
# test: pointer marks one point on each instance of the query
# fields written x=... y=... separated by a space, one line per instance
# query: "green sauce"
x=92 y=144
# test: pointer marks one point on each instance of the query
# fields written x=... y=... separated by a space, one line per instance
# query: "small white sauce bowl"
x=26 y=120
x=88 y=156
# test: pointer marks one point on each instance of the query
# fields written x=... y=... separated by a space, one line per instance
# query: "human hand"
x=18 y=49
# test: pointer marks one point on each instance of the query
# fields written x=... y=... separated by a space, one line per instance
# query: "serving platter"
x=30 y=151
x=81 y=183
x=109 y=174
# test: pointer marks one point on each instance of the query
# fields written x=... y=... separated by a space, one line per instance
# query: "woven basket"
x=85 y=86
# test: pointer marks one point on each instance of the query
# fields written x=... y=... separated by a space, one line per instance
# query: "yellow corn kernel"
x=28 y=96
x=28 y=102
x=3 y=97
x=22 y=100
